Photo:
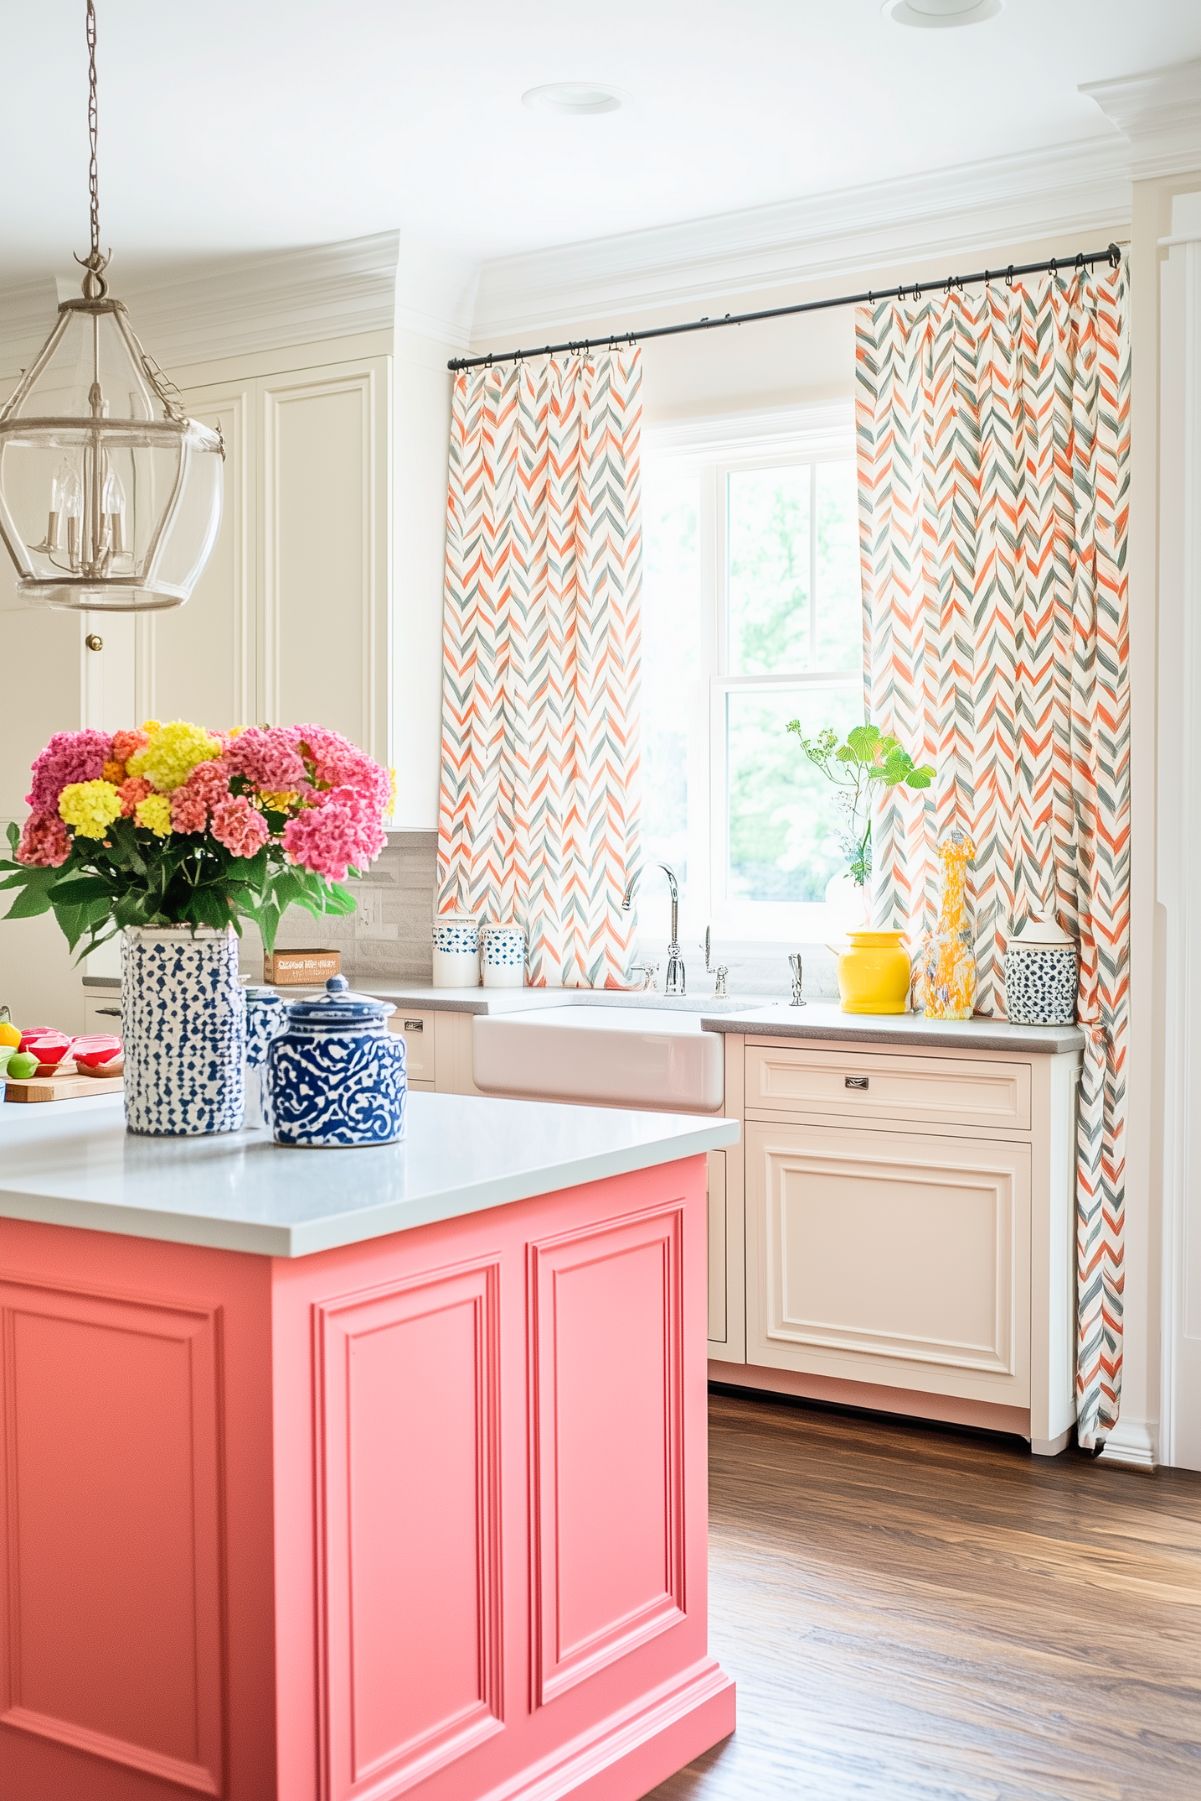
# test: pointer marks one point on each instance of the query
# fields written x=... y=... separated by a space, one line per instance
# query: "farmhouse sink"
x=621 y=1057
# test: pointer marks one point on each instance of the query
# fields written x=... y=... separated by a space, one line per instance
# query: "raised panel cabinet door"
x=200 y=658
x=324 y=548
x=890 y=1258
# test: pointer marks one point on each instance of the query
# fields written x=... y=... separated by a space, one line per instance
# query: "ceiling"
x=242 y=126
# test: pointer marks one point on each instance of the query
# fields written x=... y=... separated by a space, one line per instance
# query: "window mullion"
x=813 y=565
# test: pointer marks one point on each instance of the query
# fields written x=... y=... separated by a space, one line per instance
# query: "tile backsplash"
x=389 y=933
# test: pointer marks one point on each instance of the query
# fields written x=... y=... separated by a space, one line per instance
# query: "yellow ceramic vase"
x=873 y=973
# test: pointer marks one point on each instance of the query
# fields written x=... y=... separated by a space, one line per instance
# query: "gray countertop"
x=758 y=1016
x=826 y=1020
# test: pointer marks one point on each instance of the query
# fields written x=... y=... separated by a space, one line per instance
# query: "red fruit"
x=96 y=1050
x=47 y=1045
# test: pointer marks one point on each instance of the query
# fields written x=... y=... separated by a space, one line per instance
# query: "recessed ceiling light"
x=940 y=15
x=580 y=99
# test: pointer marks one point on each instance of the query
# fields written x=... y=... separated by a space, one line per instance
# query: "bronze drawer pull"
x=856 y=1081
x=414 y=1025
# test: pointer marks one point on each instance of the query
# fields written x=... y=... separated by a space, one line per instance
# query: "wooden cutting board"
x=70 y=1087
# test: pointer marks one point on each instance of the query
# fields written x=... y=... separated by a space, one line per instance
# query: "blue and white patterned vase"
x=183 y=1022
x=503 y=956
x=264 y=1018
x=335 y=1074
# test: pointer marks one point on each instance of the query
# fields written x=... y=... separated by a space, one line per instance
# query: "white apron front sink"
x=621 y=1057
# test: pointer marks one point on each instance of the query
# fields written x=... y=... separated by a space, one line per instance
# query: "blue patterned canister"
x=264 y=1018
x=335 y=1074
x=456 y=951
x=183 y=1022
x=1042 y=972
x=503 y=956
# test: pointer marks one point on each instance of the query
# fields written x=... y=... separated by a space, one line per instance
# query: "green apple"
x=22 y=1064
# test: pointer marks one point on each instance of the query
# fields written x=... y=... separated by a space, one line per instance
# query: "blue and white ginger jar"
x=335 y=1074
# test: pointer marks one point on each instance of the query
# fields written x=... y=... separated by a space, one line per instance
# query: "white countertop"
x=72 y=1163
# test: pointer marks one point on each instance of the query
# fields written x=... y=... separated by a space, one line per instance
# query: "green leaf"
x=921 y=777
x=73 y=889
x=35 y=900
x=13 y=834
x=210 y=908
x=863 y=742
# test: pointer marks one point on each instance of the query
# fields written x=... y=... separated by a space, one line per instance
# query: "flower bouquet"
x=173 y=835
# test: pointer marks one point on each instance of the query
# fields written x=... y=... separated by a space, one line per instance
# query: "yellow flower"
x=150 y=726
x=279 y=799
x=114 y=772
x=155 y=814
x=235 y=731
x=173 y=752
x=90 y=807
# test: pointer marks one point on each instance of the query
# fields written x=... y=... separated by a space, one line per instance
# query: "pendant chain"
x=95 y=263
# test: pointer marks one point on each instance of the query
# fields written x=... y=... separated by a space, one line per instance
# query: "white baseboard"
x=1134 y=1442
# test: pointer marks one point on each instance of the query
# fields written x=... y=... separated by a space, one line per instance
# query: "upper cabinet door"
x=201 y=658
x=324 y=548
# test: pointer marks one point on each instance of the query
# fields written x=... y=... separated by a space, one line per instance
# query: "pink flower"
x=45 y=842
x=189 y=811
x=239 y=826
x=337 y=763
x=208 y=782
x=340 y=832
x=133 y=789
x=267 y=755
x=69 y=757
x=127 y=744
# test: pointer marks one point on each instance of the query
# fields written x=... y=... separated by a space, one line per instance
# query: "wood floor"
x=922 y=1616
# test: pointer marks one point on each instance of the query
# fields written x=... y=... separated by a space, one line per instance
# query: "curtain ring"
x=986 y=278
x=1053 y=267
x=917 y=292
x=900 y=293
x=1009 y=276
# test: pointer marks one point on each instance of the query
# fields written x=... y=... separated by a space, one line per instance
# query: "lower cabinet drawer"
x=868 y=1085
x=889 y=1258
x=417 y=1030
x=102 y=1015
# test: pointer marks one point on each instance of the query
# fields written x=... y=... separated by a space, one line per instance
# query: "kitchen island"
x=349 y=1475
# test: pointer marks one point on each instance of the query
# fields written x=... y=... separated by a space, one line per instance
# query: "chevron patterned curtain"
x=538 y=816
x=993 y=453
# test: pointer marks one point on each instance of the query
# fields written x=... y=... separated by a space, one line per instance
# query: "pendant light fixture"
x=110 y=497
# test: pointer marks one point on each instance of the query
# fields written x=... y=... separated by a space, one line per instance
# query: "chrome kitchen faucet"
x=675 y=980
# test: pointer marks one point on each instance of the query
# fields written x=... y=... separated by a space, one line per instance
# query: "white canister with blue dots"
x=503 y=956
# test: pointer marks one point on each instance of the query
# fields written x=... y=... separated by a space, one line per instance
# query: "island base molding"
x=869 y=1397
x=420 y=1517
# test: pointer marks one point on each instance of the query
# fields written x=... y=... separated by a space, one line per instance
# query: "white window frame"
x=717 y=447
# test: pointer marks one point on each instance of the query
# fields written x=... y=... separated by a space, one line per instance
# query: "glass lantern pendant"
x=109 y=496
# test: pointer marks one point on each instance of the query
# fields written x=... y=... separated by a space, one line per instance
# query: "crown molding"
x=371 y=284
x=974 y=208
x=1159 y=115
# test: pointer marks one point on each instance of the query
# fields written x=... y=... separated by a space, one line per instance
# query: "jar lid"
x=1041 y=931
x=338 y=1006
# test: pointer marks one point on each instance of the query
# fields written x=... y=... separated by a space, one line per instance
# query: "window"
x=751 y=617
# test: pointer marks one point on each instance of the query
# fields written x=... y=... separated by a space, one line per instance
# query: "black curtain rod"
x=913 y=290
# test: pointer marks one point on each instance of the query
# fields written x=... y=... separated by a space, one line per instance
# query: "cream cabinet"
x=290 y=620
x=909 y=1220
x=895 y=1256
